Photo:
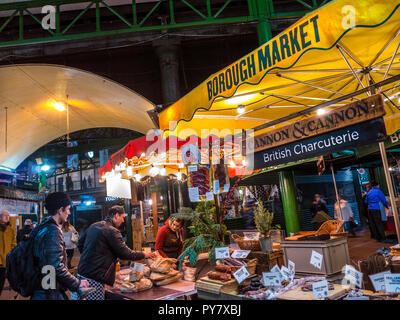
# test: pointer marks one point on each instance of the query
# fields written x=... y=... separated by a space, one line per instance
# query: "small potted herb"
x=263 y=220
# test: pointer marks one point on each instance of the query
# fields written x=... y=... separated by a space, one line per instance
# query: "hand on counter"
x=150 y=255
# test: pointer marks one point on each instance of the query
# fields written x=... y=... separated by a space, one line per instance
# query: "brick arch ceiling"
x=29 y=92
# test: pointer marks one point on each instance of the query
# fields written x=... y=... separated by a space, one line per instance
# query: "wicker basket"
x=251 y=266
x=253 y=245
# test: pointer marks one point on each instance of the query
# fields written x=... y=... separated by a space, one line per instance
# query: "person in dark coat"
x=23 y=233
x=49 y=250
x=318 y=205
x=101 y=246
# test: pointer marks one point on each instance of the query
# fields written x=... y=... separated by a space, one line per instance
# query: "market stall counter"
x=180 y=289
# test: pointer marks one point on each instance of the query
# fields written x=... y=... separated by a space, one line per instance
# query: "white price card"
x=194 y=194
x=292 y=267
x=251 y=235
x=357 y=298
x=209 y=196
x=222 y=253
x=271 y=279
x=138 y=267
x=354 y=276
x=241 y=275
x=320 y=289
x=316 y=259
x=192 y=168
x=240 y=254
x=216 y=186
x=287 y=275
x=277 y=270
x=392 y=283
x=378 y=280
x=226 y=187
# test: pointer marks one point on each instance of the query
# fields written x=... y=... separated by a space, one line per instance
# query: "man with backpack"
x=37 y=266
x=7 y=242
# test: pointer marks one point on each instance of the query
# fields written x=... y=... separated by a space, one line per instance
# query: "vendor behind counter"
x=169 y=240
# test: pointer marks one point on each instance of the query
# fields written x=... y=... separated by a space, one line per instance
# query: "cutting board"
x=298 y=294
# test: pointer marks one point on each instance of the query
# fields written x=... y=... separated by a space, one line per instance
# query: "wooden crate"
x=267 y=260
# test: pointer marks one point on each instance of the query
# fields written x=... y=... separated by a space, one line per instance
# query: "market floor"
x=359 y=247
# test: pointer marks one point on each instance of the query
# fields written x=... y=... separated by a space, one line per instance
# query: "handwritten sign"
x=222 y=253
x=226 y=187
x=378 y=280
x=271 y=279
x=138 y=267
x=192 y=168
x=292 y=267
x=241 y=275
x=277 y=270
x=392 y=283
x=216 y=186
x=209 y=196
x=316 y=259
x=251 y=235
x=240 y=254
x=287 y=275
x=354 y=276
x=320 y=289
x=194 y=194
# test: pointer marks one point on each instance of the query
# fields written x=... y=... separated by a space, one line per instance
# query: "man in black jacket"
x=100 y=247
x=49 y=251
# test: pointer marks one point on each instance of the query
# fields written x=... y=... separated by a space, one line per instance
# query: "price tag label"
x=192 y=168
x=240 y=254
x=241 y=275
x=292 y=267
x=216 y=186
x=357 y=298
x=194 y=194
x=354 y=276
x=316 y=259
x=271 y=279
x=378 y=280
x=138 y=267
x=209 y=196
x=392 y=283
x=320 y=289
x=277 y=270
x=287 y=275
x=251 y=235
x=226 y=187
x=222 y=253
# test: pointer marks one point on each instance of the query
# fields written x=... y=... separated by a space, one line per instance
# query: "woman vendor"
x=169 y=241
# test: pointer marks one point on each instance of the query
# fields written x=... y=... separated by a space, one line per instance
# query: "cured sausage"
x=219 y=276
x=223 y=268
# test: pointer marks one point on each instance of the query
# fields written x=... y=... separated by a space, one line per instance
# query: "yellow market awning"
x=338 y=49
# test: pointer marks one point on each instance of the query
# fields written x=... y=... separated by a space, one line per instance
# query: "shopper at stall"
x=169 y=240
x=49 y=249
x=100 y=248
x=374 y=196
x=346 y=214
x=7 y=242
x=23 y=233
x=319 y=212
x=71 y=238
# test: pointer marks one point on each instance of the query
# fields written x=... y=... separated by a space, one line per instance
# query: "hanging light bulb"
x=142 y=155
x=244 y=163
x=137 y=177
x=163 y=171
x=232 y=164
x=320 y=112
x=240 y=109
x=154 y=171
x=129 y=171
x=180 y=165
x=179 y=175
